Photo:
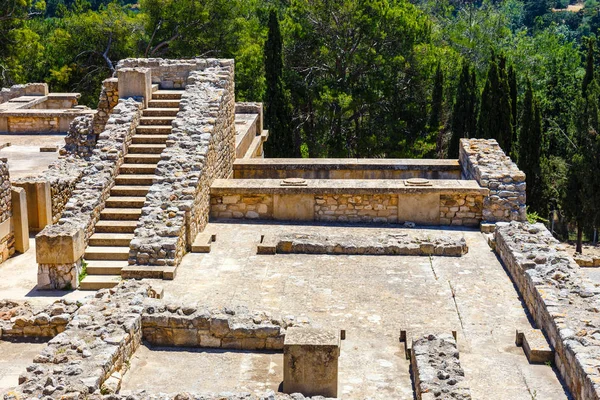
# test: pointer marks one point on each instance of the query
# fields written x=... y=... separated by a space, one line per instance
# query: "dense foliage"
x=359 y=78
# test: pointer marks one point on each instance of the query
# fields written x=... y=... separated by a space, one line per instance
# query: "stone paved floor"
x=203 y=370
x=373 y=297
x=24 y=156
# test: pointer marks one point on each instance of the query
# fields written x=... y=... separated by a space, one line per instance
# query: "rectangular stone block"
x=135 y=82
x=300 y=207
x=20 y=221
x=61 y=244
x=310 y=358
x=422 y=208
x=39 y=204
x=535 y=346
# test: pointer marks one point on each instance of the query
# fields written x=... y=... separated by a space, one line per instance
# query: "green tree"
x=530 y=148
x=495 y=114
x=437 y=108
x=464 y=115
x=512 y=83
x=277 y=106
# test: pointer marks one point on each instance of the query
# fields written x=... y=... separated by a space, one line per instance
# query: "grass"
x=83 y=272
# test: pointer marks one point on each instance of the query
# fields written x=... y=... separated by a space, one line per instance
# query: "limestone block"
x=300 y=207
x=310 y=358
x=39 y=204
x=135 y=82
x=422 y=208
x=63 y=244
x=20 y=221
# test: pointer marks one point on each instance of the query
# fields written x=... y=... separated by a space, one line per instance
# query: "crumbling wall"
x=169 y=74
x=30 y=89
x=20 y=319
x=561 y=300
x=200 y=149
x=109 y=98
x=484 y=161
x=7 y=237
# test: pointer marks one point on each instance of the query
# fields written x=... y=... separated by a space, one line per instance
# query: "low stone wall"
x=377 y=208
x=444 y=202
x=7 y=237
x=461 y=209
x=200 y=149
x=30 y=89
x=561 y=300
x=81 y=138
x=484 y=161
x=97 y=343
x=169 y=74
x=191 y=326
x=400 y=243
x=82 y=210
x=345 y=168
x=252 y=108
x=19 y=319
x=436 y=369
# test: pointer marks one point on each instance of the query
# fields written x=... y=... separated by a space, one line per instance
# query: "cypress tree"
x=530 y=151
x=589 y=66
x=512 y=82
x=437 y=100
x=495 y=114
x=464 y=118
x=278 y=110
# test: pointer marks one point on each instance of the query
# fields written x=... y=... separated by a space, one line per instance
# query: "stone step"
x=110 y=239
x=129 y=190
x=121 y=214
x=154 y=87
x=160 y=112
x=137 y=169
x=157 y=120
x=135 y=179
x=150 y=139
x=163 y=104
x=100 y=267
x=167 y=94
x=97 y=282
x=153 y=129
x=111 y=253
x=146 y=148
x=142 y=158
x=115 y=226
x=125 y=201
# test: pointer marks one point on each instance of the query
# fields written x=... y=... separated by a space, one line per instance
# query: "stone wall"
x=484 y=161
x=169 y=74
x=464 y=209
x=20 y=319
x=377 y=208
x=96 y=344
x=82 y=210
x=7 y=237
x=561 y=300
x=200 y=149
x=143 y=395
x=436 y=369
x=81 y=138
x=30 y=89
x=109 y=98
x=192 y=326
x=461 y=209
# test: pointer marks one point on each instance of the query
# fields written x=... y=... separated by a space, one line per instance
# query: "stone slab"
x=20 y=222
x=60 y=246
x=422 y=209
x=294 y=207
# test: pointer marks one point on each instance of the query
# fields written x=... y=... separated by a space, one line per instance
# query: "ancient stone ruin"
x=170 y=260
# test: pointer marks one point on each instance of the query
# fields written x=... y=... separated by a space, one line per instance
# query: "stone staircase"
x=108 y=247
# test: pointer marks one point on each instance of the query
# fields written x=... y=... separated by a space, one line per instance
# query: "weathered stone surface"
x=7 y=238
x=142 y=395
x=484 y=161
x=200 y=148
x=561 y=300
x=436 y=369
x=390 y=244
x=21 y=319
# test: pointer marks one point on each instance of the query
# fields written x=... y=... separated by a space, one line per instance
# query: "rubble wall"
x=200 y=149
x=561 y=300
x=169 y=74
x=484 y=161
x=7 y=239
